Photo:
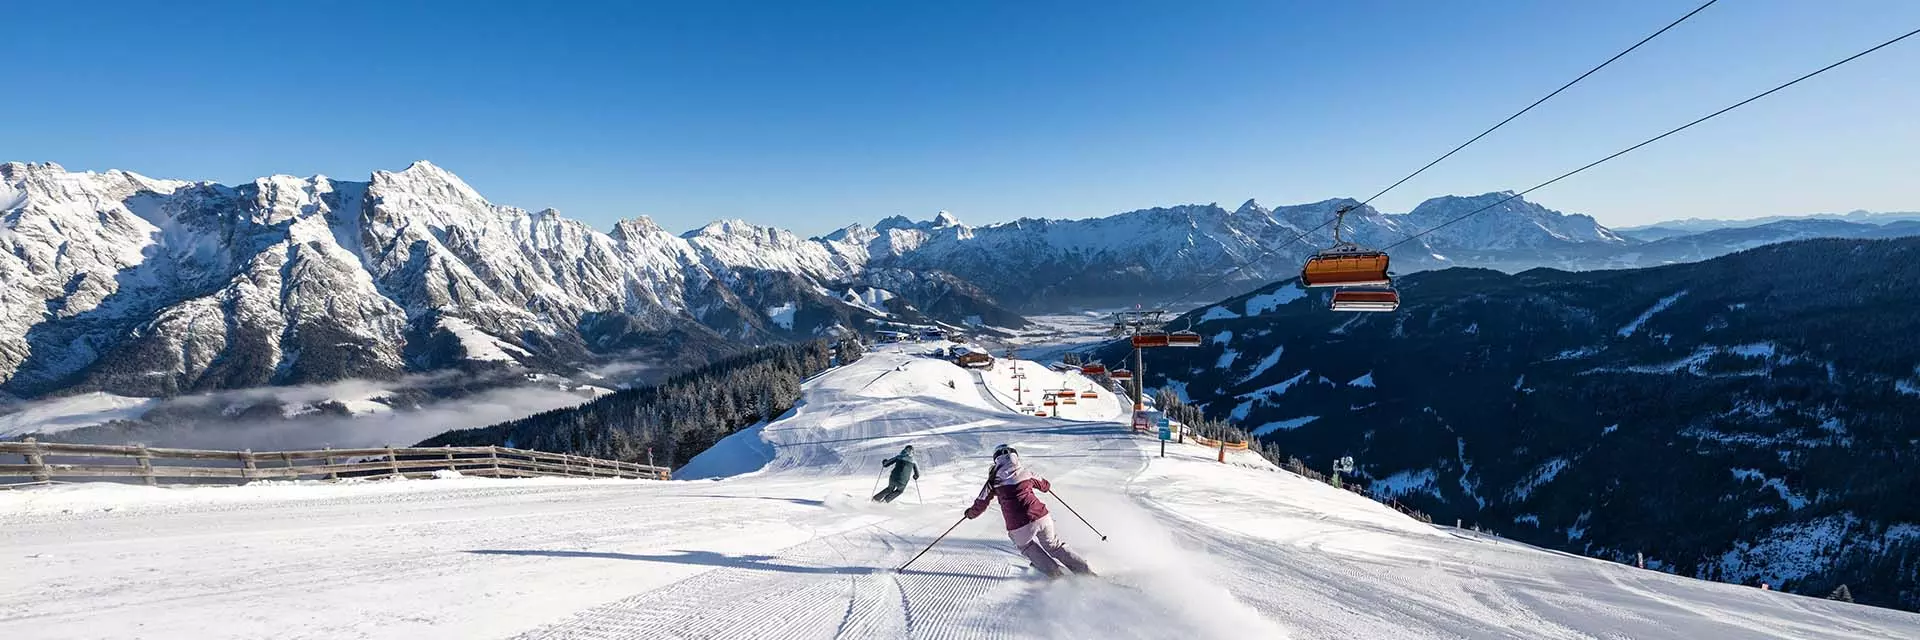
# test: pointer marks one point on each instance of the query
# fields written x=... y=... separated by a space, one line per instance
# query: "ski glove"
x=979 y=507
x=1042 y=485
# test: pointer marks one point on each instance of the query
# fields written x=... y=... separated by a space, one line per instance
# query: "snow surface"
x=1283 y=425
x=1364 y=381
x=782 y=315
x=1633 y=327
x=1265 y=302
x=1265 y=364
x=1405 y=482
x=1218 y=313
x=478 y=344
x=781 y=542
x=1540 y=475
x=1271 y=393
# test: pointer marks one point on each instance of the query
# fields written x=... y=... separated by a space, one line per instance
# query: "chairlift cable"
x=1270 y=251
x=1537 y=103
x=1657 y=138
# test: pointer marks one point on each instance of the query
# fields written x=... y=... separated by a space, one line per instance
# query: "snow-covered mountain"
x=155 y=287
x=148 y=287
x=1746 y=418
x=1151 y=254
x=1688 y=226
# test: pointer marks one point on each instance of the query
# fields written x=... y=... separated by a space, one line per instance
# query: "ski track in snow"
x=792 y=548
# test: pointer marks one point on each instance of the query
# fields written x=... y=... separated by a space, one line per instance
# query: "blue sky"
x=812 y=115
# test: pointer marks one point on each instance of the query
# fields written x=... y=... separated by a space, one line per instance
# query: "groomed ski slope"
x=786 y=545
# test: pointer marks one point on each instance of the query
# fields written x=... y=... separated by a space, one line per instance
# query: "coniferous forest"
x=676 y=419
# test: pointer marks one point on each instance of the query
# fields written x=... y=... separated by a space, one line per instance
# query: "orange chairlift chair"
x=1151 y=339
x=1385 y=299
x=1347 y=264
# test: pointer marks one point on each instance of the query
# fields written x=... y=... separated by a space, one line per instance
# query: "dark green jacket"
x=903 y=467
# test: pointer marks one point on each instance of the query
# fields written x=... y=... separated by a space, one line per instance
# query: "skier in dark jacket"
x=903 y=468
x=1028 y=523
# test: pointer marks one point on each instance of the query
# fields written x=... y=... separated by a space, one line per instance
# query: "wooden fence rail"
x=46 y=461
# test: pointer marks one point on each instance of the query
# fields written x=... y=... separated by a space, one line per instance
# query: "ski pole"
x=923 y=552
x=1076 y=514
x=917 y=496
x=876 y=480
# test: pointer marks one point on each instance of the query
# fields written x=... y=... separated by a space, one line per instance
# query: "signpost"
x=1166 y=433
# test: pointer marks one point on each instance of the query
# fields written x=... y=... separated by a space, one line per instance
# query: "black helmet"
x=1003 y=449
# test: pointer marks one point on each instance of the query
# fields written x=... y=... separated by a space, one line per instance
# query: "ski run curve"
x=782 y=542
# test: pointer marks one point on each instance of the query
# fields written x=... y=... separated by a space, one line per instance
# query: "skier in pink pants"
x=1028 y=524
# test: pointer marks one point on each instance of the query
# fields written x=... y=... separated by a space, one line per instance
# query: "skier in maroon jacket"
x=1028 y=524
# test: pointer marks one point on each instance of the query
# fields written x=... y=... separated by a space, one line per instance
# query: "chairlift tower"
x=1144 y=328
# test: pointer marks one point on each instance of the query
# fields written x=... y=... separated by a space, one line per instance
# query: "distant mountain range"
x=135 y=286
x=144 y=287
x=1745 y=418
x=1688 y=226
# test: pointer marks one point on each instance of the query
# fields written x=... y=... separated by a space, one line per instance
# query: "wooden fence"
x=1216 y=444
x=49 y=461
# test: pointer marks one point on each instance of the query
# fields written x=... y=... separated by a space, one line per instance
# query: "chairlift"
x=1385 y=299
x=1039 y=414
x=1150 y=340
x=1183 y=339
x=1345 y=264
x=1093 y=369
x=1090 y=394
x=1067 y=393
x=1121 y=374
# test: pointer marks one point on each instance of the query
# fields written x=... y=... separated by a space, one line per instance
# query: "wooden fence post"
x=449 y=457
x=35 y=458
x=331 y=474
x=248 y=466
x=393 y=461
x=493 y=454
x=146 y=465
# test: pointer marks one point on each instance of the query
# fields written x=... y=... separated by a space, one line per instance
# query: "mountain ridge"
x=1744 y=418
